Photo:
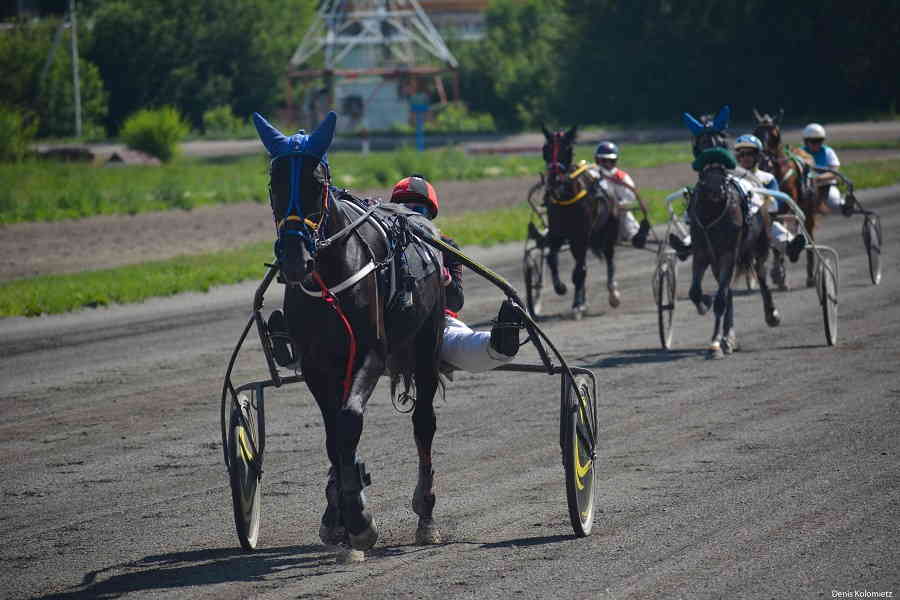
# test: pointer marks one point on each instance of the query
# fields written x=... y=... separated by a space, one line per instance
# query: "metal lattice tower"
x=371 y=34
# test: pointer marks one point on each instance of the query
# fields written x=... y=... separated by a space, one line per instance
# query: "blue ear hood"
x=720 y=123
x=316 y=144
x=693 y=124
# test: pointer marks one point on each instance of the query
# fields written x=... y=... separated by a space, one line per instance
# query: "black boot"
x=682 y=250
x=281 y=339
x=795 y=246
x=505 y=332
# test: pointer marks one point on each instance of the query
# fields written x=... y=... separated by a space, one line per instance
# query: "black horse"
x=723 y=238
x=575 y=214
x=337 y=255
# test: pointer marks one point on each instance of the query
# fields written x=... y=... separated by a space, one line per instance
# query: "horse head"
x=299 y=192
x=768 y=130
x=558 y=152
x=708 y=132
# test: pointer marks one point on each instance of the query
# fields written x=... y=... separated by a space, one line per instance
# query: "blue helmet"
x=748 y=141
x=606 y=149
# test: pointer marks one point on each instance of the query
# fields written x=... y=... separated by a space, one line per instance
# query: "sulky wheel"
x=534 y=279
x=578 y=427
x=827 y=287
x=244 y=471
x=872 y=239
x=665 y=302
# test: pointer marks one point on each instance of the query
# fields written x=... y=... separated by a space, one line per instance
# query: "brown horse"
x=791 y=168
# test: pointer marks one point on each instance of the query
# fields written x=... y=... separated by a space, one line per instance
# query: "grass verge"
x=45 y=191
x=63 y=293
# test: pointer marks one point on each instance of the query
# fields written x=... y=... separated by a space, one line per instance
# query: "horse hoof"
x=615 y=298
x=427 y=534
x=773 y=319
x=349 y=555
x=578 y=311
x=730 y=345
x=332 y=537
x=365 y=539
x=715 y=351
x=560 y=289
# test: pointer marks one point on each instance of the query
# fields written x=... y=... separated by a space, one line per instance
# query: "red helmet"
x=415 y=190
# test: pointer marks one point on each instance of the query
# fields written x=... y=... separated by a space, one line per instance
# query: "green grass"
x=868 y=145
x=45 y=191
x=62 y=293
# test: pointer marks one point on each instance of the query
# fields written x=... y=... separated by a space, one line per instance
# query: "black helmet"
x=606 y=150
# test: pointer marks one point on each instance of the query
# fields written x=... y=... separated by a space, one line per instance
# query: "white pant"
x=469 y=350
x=780 y=236
x=834 y=199
x=628 y=226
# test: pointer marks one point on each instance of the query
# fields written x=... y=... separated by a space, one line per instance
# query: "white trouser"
x=834 y=199
x=469 y=350
x=779 y=236
x=628 y=226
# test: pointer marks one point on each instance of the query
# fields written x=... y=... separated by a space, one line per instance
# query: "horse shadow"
x=530 y=541
x=195 y=568
x=640 y=356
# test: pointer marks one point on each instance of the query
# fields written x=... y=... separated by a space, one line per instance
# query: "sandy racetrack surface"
x=770 y=474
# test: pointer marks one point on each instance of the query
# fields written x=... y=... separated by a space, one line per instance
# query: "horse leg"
x=729 y=335
x=779 y=274
x=361 y=528
x=607 y=242
x=773 y=318
x=810 y=255
x=579 y=275
x=424 y=427
x=553 y=246
x=724 y=275
x=699 y=265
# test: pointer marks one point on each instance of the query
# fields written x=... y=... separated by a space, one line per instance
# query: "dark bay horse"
x=791 y=169
x=334 y=251
x=575 y=214
x=722 y=238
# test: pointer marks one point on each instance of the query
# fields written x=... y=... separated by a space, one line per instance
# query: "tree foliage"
x=195 y=55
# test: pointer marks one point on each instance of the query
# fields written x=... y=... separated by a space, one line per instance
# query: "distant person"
x=824 y=157
x=618 y=186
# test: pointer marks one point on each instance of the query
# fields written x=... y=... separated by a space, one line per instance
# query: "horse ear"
x=319 y=140
x=274 y=141
x=720 y=123
x=546 y=133
x=757 y=116
x=572 y=133
x=693 y=124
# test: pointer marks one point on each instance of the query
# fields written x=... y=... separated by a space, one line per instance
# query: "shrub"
x=156 y=132
x=16 y=133
x=456 y=118
x=221 y=120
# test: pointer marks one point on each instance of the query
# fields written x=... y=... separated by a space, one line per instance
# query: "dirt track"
x=772 y=474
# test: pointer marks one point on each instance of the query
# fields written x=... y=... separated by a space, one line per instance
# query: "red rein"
x=328 y=297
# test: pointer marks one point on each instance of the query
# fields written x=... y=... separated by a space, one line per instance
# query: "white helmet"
x=813 y=131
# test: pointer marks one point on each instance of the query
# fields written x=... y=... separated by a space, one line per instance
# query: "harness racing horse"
x=723 y=238
x=576 y=214
x=791 y=169
x=333 y=251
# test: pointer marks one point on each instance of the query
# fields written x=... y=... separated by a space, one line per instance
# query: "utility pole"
x=76 y=84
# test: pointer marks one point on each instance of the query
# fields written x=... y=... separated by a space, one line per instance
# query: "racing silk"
x=619 y=186
x=825 y=157
x=757 y=178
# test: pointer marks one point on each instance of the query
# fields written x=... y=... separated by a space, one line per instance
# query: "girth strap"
x=350 y=281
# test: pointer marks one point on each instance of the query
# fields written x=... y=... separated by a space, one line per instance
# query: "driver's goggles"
x=419 y=208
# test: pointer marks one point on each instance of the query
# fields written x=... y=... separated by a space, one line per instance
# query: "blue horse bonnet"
x=315 y=144
x=718 y=125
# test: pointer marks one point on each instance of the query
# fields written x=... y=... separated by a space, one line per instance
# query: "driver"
x=825 y=156
x=462 y=348
x=618 y=185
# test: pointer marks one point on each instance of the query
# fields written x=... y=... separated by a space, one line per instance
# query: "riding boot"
x=281 y=339
x=795 y=246
x=505 y=331
x=682 y=250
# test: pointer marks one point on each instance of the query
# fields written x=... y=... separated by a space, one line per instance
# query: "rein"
x=331 y=300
